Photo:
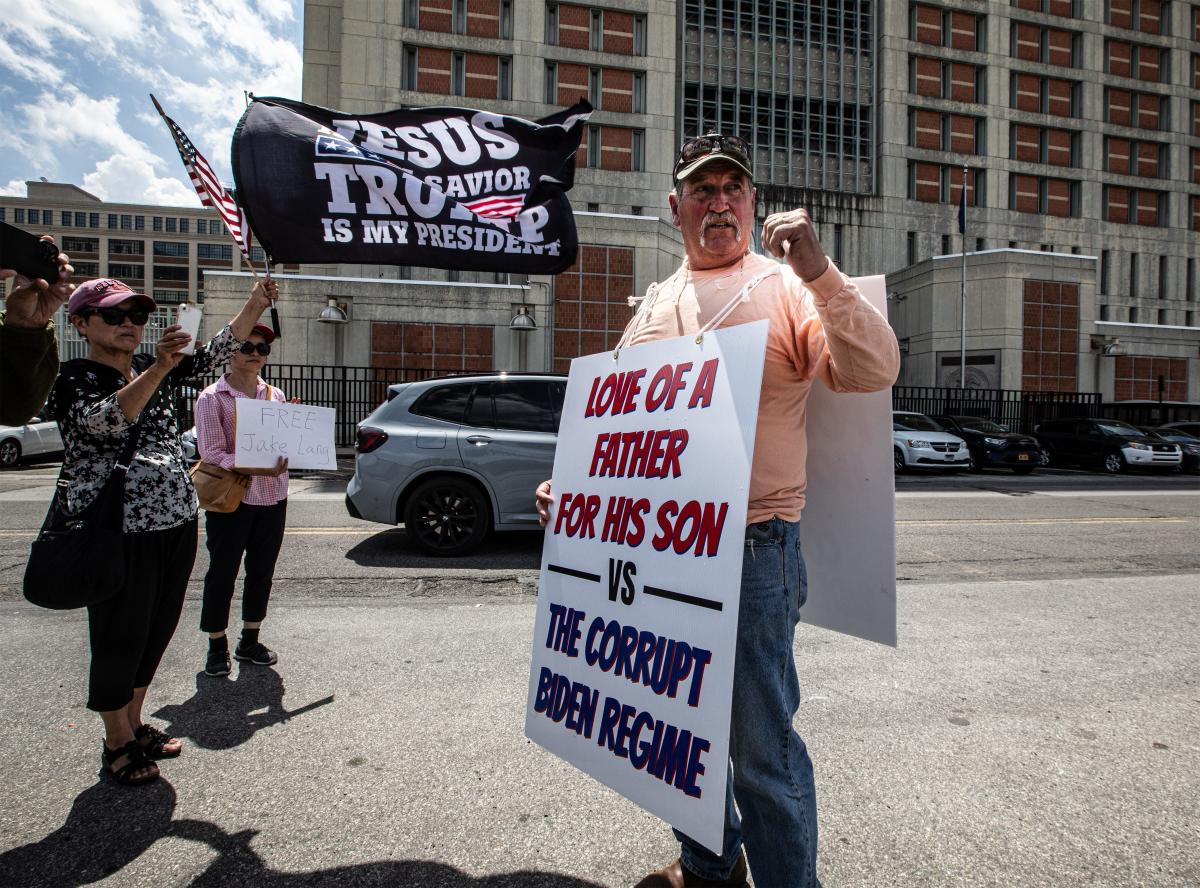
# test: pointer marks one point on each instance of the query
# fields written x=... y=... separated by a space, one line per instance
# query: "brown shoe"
x=676 y=876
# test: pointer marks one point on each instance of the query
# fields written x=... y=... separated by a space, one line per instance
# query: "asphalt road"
x=1037 y=725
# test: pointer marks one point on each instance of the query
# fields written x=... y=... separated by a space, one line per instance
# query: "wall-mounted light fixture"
x=335 y=312
x=522 y=320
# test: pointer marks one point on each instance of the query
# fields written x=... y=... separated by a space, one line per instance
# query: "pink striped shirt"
x=215 y=414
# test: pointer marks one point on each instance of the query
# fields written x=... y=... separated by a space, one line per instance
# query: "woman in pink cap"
x=254 y=530
x=99 y=401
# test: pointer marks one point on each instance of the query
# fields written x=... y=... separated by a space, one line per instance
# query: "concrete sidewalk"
x=1025 y=733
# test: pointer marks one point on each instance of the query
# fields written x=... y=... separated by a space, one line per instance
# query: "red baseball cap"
x=264 y=331
x=105 y=293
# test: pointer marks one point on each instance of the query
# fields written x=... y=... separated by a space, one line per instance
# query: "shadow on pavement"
x=110 y=826
x=238 y=864
x=225 y=710
x=519 y=550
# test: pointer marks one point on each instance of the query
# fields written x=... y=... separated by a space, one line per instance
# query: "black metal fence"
x=352 y=391
x=1019 y=411
x=355 y=391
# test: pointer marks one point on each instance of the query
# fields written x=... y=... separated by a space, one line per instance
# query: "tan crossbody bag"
x=220 y=490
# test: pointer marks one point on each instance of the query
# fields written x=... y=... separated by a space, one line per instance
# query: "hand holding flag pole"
x=213 y=194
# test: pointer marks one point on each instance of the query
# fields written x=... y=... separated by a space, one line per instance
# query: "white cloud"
x=127 y=179
x=15 y=188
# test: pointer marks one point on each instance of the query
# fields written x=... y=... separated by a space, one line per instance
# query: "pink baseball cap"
x=105 y=293
x=264 y=331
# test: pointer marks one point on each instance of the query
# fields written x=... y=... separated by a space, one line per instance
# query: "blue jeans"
x=771 y=776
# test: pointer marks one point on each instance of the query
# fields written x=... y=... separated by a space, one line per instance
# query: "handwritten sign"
x=300 y=433
x=636 y=627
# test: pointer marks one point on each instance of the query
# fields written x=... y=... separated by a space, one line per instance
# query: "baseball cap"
x=105 y=293
x=264 y=331
x=708 y=148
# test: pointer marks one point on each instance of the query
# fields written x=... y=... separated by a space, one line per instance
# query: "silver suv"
x=455 y=457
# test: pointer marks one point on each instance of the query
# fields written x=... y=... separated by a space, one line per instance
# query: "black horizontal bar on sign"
x=683 y=598
x=572 y=572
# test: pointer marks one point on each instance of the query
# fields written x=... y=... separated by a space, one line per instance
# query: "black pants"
x=257 y=533
x=130 y=631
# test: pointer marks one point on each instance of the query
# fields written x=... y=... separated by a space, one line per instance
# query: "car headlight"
x=1193 y=449
x=1134 y=445
x=994 y=442
x=920 y=445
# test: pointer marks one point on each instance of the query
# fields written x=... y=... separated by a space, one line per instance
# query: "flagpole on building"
x=962 y=227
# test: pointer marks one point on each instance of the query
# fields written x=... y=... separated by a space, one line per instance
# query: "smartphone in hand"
x=28 y=254
x=189 y=319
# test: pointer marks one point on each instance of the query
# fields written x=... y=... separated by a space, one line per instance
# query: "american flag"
x=212 y=193
x=497 y=206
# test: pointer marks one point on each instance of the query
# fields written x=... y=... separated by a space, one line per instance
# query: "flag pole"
x=962 y=342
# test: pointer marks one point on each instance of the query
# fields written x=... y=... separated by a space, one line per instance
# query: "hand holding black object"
x=32 y=303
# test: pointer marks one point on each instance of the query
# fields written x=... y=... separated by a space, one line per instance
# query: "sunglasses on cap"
x=115 y=317
x=249 y=348
x=733 y=147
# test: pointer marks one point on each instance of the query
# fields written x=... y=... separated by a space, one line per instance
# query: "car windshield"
x=914 y=422
x=1177 y=436
x=1119 y=430
x=981 y=425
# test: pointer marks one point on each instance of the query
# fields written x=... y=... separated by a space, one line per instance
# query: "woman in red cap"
x=99 y=401
x=254 y=530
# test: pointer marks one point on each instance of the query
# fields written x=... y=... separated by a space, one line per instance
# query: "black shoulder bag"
x=79 y=560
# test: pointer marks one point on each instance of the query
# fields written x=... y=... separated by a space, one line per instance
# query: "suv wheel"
x=1114 y=463
x=10 y=453
x=898 y=460
x=447 y=516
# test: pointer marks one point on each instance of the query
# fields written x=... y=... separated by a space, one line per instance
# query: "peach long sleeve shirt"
x=821 y=330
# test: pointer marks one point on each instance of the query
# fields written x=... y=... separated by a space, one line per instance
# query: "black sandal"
x=137 y=762
x=153 y=743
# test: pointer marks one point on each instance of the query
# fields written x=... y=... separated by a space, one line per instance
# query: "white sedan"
x=919 y=441
x=36 y=437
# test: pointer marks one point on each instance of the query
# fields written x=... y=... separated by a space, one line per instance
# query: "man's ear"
x=673 y=203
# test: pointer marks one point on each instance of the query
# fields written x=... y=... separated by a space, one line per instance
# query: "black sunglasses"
x=115 y=317
x=249 y=348
x=694 y=149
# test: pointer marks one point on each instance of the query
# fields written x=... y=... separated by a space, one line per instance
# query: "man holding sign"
x=821 y=327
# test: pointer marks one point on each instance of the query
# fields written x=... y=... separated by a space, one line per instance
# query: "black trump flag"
x=434 y=187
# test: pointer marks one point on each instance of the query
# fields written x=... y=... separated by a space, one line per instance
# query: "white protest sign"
x=633 y=644
x=848 y=529
x=266 y=430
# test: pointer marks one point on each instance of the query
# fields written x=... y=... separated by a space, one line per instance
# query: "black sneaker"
x=257 y=653
x=218 y=662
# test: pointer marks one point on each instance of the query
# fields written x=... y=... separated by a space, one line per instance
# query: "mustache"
x=725 y=218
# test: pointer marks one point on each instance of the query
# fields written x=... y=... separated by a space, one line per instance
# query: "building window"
x=506 y=19
x=80 y=245
x=596 y=30
x=1133 y=314
x=19 y=215
x=412 y=10
x=93 y=220
x=35 y=217
x=458 y=74
x=170 y=248
x=171 y=226
x=257 y=255
x=1163 y=265
x=126 y=222
x=946 y=245
x=979 y=245
x=170 y=273
x=912 y=248
x=1104 y=312
x=638 y=147
x=639 y=93
x=139 y=223
x=552 y=24
x=183 y=226
x=551 y=95
x=66 y=219
x=408 y=71
x=504 y=78
x=202 y=227
x=593 y=146
x=126 y=272
x=214 y=251
x=595 y=94
x=120 y=247
x=639 y=35
x=1133 y=278
x=81 y=220
x=156 y=224
x=1104 y=271
x=1190 y=293
x=839 y=257
x=460 y=18
x=112 y=220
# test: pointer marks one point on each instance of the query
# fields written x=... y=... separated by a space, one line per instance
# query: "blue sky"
x=75 y=77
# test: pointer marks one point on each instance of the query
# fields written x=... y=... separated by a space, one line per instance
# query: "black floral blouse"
x=158 y=491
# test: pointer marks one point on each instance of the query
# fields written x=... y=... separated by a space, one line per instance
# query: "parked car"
x=1189 y=444
x=992 y=445
x=919 y=441
x=1108 y=444
x=455 y=457
x=38 y=437
x=1190 y=428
